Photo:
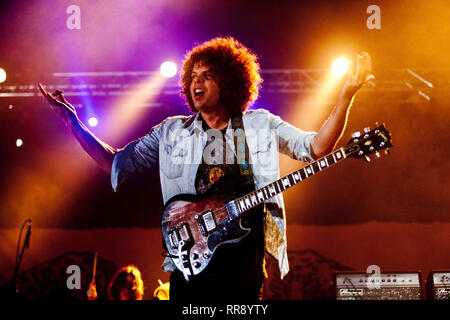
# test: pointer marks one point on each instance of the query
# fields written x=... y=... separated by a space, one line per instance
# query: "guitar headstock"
x=368 y=142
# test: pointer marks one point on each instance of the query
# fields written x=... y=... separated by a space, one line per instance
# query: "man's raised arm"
x=331 y=131
x=101 y=152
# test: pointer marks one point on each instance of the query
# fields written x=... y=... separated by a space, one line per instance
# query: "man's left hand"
x=360 y=74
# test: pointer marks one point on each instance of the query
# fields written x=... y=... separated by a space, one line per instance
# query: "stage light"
x=93 y=121
x=128 y=110
x=19 y=143
x=168 y=69
x=340 y=66
x=2 y=75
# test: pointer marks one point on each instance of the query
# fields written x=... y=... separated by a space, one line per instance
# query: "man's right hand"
x=61 y=106
x=101 y=152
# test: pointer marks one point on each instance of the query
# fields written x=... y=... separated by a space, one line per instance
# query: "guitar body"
x=193 y=226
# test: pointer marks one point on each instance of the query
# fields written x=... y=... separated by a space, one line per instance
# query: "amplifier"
x=381 y=286
x=438 y=285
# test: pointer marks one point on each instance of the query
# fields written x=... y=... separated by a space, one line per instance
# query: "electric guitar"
x=194 y=226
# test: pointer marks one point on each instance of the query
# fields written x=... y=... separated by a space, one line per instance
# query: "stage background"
x=393 y=212
x=314 y=253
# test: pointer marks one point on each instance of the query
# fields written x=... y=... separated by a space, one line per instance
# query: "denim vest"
x=178 y=143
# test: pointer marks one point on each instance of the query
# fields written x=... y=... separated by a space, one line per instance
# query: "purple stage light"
x=93 y=121
x=168 y=69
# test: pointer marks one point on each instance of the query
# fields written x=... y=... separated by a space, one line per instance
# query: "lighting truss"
x=276 y=81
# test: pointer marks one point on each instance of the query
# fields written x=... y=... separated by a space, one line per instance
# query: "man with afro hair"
x=220 y=80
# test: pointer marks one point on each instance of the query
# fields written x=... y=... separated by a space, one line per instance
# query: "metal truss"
x=419 y=82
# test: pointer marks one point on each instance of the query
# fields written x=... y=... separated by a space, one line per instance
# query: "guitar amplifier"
x=381 y=286
x=438 y=285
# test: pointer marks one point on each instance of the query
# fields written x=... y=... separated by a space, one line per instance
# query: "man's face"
x=205 y=90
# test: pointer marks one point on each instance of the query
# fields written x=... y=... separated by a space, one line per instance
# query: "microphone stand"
x=20 y=256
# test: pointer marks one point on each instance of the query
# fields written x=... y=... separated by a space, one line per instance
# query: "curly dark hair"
x=236 y=70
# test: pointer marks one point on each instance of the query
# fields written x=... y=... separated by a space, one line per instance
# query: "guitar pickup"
x=180 y=233
x=206 y=222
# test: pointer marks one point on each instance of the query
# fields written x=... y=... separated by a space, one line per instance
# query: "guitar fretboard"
x=257 y=197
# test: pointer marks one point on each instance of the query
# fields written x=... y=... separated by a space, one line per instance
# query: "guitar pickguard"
x=227 y=232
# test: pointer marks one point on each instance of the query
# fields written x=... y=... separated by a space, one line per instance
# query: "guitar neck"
x=257 y=197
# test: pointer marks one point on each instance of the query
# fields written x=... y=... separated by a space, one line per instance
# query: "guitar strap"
x=241 y=147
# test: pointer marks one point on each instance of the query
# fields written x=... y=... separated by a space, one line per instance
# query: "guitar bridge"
x=180 y=233
x=206 y=222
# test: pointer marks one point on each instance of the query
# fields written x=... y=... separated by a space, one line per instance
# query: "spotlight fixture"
x=93 y=121
x=168 y=69
x=340 y=66
x=2 y=75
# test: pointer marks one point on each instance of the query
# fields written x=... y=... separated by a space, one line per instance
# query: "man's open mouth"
x=198 y=92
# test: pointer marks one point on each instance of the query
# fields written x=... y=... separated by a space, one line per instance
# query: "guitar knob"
x=206 y=255
x=197 y=264
x=356 y=134
x=194 y=256
x=377 y=154
x=367 y=158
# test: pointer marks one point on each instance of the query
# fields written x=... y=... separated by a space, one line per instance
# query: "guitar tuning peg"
x=387 y=151
x=367 y=158
x=356 y=134
x=377 y=124
x=377 y=155
x=367 y=129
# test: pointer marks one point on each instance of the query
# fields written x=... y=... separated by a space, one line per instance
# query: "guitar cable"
x=166 y=253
